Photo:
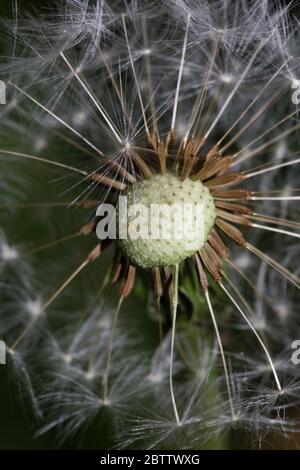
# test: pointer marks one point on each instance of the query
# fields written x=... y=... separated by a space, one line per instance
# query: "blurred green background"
x=15 y=430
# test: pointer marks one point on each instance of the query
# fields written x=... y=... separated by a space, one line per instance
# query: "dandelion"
x=165 y=103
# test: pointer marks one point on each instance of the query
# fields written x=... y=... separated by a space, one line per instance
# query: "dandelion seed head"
x=9 y=253
x=287 y=191
x=283 y=311
x=226 y=78
x=34 y=307
x=80 y=117
x=104 y=322
x=295 y=82
x=90 y=374
x=40 y=144
x=260 y=324
x=243 y=261
x=156 y=377
x=281 y=150
x=67 y=358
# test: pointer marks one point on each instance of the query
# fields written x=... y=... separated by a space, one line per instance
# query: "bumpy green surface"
x=167 y=189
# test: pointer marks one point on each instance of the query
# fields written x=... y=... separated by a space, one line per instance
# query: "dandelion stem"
x=135 y=75
x=274 y=264
x=91 y=257
x=116 y=87
x=273 y=220
x=245 y=220
x=52 y=243
x=276 y=230
x=198 y=107
x=43 y=160
x=33 y=205
x=255 y=333
x=257 y=291
x=150 y=80
x=94 y=176
x=109 y=352
x=233 y=92
x=275 y=198
x=252 y=120
x=251 y=104
x=57 y=118
x=94 y=100
x=271 y=167
x=221 y=352
x=47 y=304
x=262 y=147
x=180 y=74
x=174 y=315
